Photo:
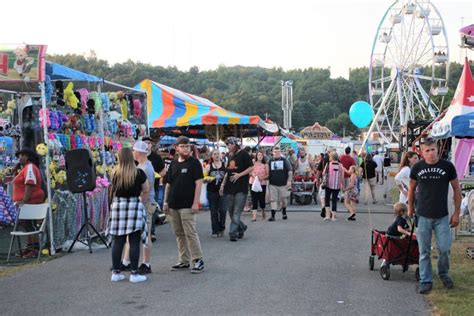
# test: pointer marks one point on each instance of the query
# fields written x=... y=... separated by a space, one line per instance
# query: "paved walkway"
x=302 y=266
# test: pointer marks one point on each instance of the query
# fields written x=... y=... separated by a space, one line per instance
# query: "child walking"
x=351 y=193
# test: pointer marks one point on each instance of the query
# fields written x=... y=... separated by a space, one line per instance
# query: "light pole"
x=287 y=102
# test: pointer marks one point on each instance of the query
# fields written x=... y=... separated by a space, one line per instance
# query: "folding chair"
x=30 y=212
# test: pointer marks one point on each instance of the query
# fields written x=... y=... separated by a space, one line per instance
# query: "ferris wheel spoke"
x=407 y=36
x=426 y=50
x=416 y=41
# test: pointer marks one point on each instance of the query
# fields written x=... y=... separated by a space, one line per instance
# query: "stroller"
x=394 y=251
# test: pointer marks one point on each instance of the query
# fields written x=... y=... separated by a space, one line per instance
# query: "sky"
x=208 y=33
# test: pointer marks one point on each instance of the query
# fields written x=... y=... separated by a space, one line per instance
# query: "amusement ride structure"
x=409 y=69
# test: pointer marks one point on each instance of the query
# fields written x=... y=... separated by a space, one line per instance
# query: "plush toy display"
x=123 y=104
x=137 y=108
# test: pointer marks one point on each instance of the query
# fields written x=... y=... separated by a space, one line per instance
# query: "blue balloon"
x=361 y=114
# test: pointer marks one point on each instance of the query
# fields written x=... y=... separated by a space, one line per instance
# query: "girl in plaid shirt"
x=127 y=214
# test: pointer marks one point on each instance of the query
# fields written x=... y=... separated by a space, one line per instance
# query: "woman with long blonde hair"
x=127 y=214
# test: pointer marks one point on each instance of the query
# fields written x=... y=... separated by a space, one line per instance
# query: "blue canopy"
x=60 y=72
x=463 y=125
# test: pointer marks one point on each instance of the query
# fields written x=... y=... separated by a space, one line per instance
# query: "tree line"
x=253 y=90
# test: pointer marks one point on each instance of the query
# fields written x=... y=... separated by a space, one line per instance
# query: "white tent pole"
x=101 y=130
x=47 y=171
x=218 y=139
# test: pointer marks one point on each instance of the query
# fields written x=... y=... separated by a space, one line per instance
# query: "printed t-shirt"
x=393 y=229
x=432 y=185
x=182 y=177
x=238 y=163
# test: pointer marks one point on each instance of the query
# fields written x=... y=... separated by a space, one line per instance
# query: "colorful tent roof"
x=171 y=108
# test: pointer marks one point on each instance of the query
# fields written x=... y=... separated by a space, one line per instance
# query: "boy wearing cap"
x=235 y=186
x=182 y=192
x=140 y=154
x=158 y=166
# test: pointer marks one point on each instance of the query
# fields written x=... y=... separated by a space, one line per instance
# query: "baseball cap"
x=146 y=138
x=232 y=140
x=140 y=146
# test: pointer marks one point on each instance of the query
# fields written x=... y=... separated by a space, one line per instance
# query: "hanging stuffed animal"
x=137 y=108
x=123 y=104
x=41 y=118
x=48 y=89
x=54 y=119
x=42 y=149
x=84 y=97
x=97 y=100
x=59 y=93
x=91 y=106
x=70 y=97
x=105 y=102
x=11 y=106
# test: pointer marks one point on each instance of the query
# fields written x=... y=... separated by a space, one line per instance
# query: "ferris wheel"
x=409 y=67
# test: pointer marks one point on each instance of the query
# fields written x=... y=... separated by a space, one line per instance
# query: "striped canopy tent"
x=174 y=112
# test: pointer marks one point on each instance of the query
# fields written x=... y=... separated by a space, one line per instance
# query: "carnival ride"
x=409 y=68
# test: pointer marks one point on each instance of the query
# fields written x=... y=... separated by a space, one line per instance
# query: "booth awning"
x=60 y=72
x=170 y=108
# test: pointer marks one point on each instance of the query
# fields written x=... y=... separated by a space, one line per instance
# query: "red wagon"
x=393 y=251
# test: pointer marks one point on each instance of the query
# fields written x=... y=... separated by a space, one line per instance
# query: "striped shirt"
x=336 y=176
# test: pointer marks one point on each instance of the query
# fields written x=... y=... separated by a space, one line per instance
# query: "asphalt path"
x=301 y=266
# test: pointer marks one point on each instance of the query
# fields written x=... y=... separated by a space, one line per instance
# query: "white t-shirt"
x=379 y=161
x=403 y=178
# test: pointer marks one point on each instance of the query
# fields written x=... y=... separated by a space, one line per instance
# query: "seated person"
x=399 y=227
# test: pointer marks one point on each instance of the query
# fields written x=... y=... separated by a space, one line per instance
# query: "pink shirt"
x=336 y=176
x=259 y=169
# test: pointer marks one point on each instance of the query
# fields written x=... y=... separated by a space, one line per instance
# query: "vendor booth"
x=173 y=112
x=54 y=109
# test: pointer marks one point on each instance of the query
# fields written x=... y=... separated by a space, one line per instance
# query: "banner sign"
x=22 y=62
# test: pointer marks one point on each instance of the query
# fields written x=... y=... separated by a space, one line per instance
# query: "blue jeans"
x=234 y=204
x=443 y=241
x=216 y=205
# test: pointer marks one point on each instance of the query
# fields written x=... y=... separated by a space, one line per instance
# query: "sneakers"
x=271 y=219
x=284 y=216
x=198 y=266
x=233 y=238
x=144 y=269
x=135 y=278
x=447 y=283
x=180 y=266
x=215 y=235
x=116 y=277
x=425 y=288
x=241 y=233
x=153 y=237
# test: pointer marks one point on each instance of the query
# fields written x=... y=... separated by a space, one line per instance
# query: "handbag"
x=256 y=185
x=324 y=181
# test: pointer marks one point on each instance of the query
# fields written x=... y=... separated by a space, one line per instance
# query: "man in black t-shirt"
x=279 y=183
x=235 y=186
x=429 y=184
x=181 y=201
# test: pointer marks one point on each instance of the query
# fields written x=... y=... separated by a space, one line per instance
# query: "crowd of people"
x=143 y=182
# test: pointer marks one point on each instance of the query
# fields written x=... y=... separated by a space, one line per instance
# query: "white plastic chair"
x=30 y=212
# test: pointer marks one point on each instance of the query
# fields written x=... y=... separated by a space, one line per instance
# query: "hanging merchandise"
x=105 y=102
x=123 y=104
x=48 y=89
x=70 y=97
x=137 y=108
x=59 y=85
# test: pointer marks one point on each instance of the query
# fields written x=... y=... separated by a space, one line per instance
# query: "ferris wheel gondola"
x=409 y=67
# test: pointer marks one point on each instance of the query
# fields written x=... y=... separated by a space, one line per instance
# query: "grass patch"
x=459 y=300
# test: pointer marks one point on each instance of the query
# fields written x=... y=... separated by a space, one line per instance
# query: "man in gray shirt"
x=140 y=154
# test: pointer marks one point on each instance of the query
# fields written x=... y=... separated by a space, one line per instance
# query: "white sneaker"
x=117 y=277
x=135 y=278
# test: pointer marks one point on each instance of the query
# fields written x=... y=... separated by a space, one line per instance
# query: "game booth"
x=55 y=109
